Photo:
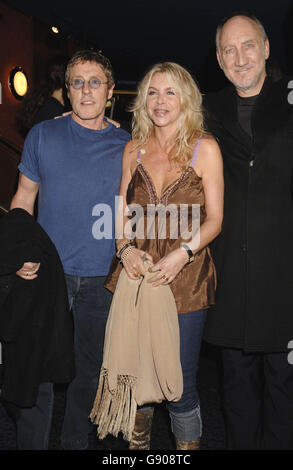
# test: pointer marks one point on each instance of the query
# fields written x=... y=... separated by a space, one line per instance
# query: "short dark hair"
x=91 y=56
x=240 y=13
x=56 y=72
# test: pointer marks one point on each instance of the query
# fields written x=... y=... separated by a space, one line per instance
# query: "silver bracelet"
x=126 y=253
x=124 y=247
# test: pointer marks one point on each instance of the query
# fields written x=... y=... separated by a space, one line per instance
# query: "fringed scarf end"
x=114 y=410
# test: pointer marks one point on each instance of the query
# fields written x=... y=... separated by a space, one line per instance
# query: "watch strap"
x=189 y=252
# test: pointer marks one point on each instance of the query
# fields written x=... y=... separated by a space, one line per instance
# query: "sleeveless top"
x=194 y=286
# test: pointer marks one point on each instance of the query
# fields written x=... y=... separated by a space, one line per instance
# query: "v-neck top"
x=194 y=287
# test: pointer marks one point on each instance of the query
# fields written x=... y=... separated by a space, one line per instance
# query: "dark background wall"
x=16 y=49
x=134 y=34
x=30 y=44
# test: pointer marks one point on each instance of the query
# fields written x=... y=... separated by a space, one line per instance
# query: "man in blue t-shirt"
x=74 y=163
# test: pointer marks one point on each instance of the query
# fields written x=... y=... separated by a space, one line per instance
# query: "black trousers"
x=258 y=400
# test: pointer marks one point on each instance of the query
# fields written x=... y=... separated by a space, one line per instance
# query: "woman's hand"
x=133 y=263
x=168 y=267
x=63 y=115
x=115 y=123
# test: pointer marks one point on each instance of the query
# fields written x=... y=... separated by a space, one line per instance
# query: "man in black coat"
x=253 y=316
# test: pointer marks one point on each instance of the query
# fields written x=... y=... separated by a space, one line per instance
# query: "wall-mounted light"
x=18 y=83
x=55 y=30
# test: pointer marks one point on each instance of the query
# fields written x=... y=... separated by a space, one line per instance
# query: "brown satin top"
x=194 y=287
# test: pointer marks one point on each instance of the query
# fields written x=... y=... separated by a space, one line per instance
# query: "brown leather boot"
x=182 y=445
x=141 y=434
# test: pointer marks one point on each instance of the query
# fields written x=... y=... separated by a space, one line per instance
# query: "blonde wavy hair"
x=190 y=125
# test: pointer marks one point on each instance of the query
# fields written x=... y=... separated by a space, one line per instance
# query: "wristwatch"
x=189 y=252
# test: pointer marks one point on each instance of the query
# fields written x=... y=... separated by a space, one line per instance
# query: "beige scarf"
x=141 y=362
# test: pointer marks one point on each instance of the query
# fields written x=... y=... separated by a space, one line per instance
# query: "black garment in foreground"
x=258 y=405
x=36 y=326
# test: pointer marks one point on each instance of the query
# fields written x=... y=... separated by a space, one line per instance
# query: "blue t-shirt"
x=79 y=172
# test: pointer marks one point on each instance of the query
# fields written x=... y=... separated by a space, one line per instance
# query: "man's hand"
x=28 y=271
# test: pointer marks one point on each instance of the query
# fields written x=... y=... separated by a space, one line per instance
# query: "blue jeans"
x=90 y=303
x=185 y=414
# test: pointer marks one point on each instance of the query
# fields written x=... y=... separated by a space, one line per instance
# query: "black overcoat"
x=36 y=326
x=254 y=252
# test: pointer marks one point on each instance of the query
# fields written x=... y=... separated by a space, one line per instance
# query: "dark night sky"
x=136 y=34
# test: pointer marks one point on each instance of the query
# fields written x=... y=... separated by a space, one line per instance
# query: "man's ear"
x=219 y=59
x=110 y=92
x=267 y=49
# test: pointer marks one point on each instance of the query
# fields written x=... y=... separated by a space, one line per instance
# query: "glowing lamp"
x=18 y=83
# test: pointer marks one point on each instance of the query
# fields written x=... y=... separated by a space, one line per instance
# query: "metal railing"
x=10 y=145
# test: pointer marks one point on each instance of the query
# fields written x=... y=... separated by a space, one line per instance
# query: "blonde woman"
x=172 y=162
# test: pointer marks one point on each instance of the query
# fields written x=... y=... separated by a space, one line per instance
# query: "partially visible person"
x=171 y=161
x=36 y=327
x=47 y=99
x=252 y=318
x=75 y=164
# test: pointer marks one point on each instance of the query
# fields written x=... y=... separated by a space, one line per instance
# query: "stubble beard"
x=251 y=84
